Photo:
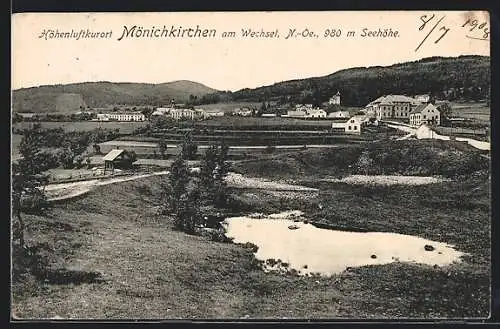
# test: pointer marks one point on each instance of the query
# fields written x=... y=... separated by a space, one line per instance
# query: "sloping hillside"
x=69 y=98
x=452 y=78
x=441 y=76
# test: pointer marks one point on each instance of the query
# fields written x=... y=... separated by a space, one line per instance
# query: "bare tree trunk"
x=21 y=228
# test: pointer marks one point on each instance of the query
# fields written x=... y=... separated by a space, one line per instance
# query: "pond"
x=288 y=243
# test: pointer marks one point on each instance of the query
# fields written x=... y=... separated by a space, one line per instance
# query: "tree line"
x=462 y=78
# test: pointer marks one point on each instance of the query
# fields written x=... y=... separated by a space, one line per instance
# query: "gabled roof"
x=113 y=154
x=420 y=108
x=391 y=99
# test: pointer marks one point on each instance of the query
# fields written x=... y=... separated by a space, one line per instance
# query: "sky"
x=238 y=62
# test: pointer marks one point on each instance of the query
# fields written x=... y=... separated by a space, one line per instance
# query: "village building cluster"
x=306 y=111
x=415 y=110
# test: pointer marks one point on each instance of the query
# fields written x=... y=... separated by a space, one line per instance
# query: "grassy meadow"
x=473 y=110
x=124 y=127
x=110 y=254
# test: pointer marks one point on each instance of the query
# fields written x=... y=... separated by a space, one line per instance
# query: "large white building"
x=178 y=114
x=121 y=116
x=181 y=113
x=392 y=107
x=425 y=114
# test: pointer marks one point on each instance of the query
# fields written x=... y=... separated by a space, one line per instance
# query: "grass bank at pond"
x=147 y=270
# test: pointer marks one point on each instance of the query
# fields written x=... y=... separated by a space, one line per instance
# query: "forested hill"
x=71 y=97
x=463 y=77
x=443 y=77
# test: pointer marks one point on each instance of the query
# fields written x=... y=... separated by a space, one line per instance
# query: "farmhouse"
x=339 y=114
x=303 y=107
x=352 y=126
x=117 y=158
x=162 y=111
x=335 y=99
x=392 y=106
x=316 y=113
x=425 y=98
x=121 y=116
x=425 y=114
x=214 y=113
x=306 y=112
x=244 y=112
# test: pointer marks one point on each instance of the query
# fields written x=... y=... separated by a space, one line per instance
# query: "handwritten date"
x=425 y=19
x=474 y=25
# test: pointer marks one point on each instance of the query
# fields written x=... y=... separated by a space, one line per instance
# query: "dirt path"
x=481 y=145
x=56 y=192
x=240 y=181
x=386 y=180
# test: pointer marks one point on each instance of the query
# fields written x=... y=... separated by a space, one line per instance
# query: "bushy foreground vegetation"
x=411 y=157
x=191 y=197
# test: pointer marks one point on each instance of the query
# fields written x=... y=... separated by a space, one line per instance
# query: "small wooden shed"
x=117 y=159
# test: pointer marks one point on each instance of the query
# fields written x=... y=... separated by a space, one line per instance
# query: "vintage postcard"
x=251 y=165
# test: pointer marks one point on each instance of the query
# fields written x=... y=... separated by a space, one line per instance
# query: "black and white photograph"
x=239 y=166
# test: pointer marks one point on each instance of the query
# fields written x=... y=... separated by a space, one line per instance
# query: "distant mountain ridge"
x=462 y=77
x=70 y=97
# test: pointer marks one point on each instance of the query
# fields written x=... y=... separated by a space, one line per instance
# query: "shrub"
x=189 y=148
x=219 y=236
x=34 y=203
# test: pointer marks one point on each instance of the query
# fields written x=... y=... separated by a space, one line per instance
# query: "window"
x=425 y=116
x=355 y=127
x=350 y=128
